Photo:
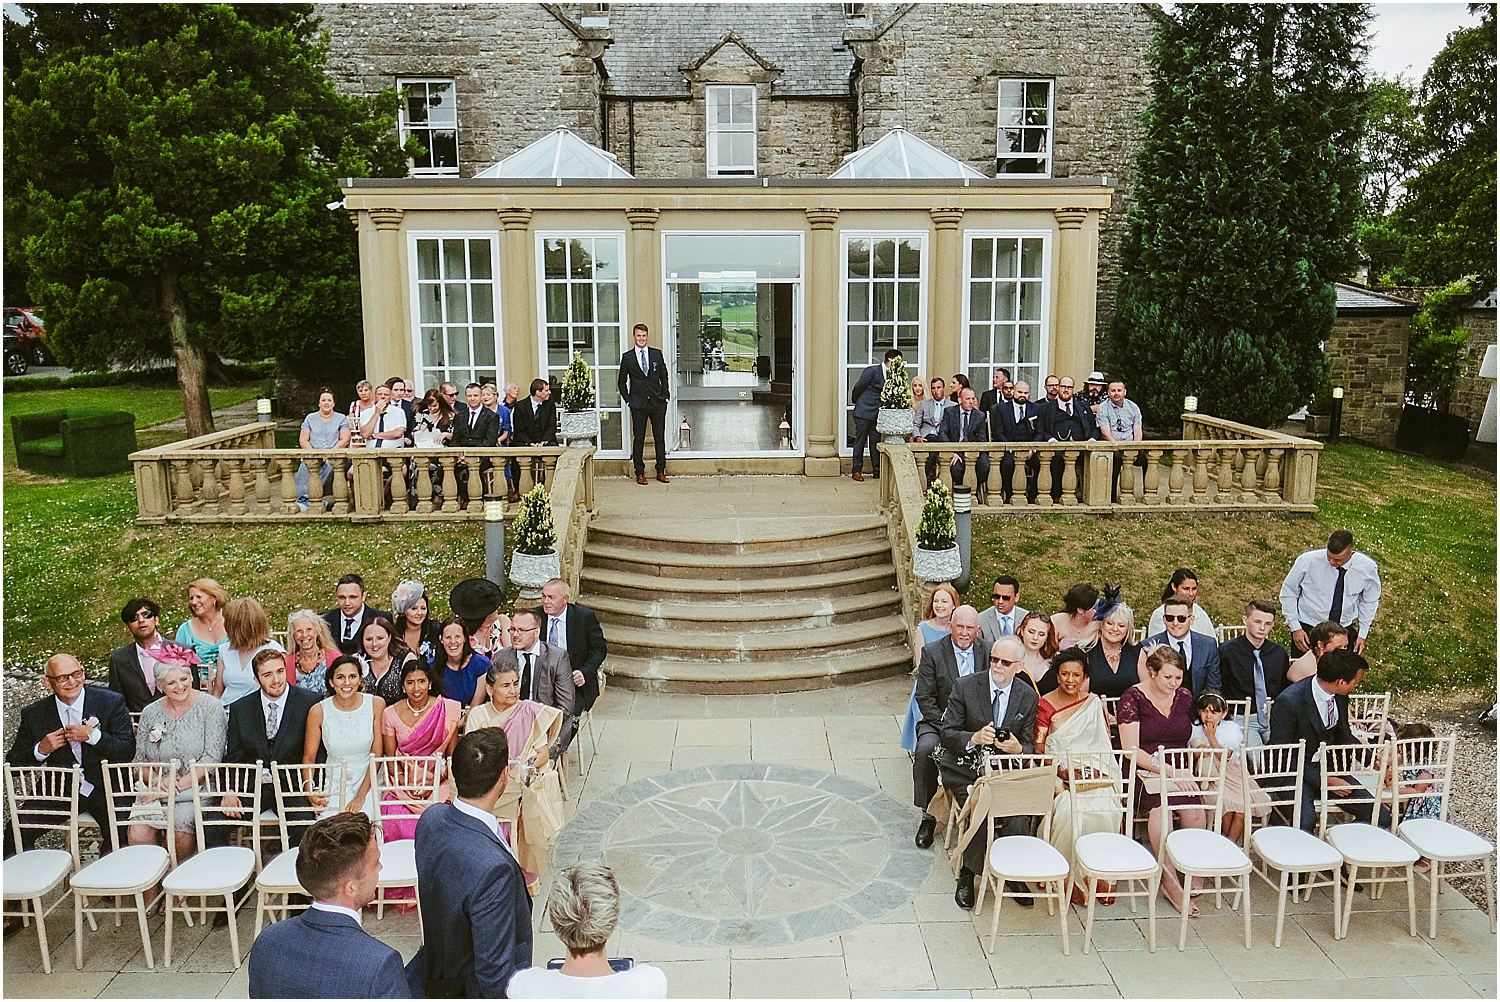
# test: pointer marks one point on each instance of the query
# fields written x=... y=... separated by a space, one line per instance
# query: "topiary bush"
x=533 y=528
x=578 y=385
x=936 y=529
x=896 y=393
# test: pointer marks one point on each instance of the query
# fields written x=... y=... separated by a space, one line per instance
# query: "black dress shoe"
x=1021 y=891
x=221 y=921
x=925 y=831
x=963 y=896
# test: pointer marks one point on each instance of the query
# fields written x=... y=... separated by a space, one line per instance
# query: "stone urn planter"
x=529 y=571
x=1318 y=424
x=578 y=428
x=894 y=424
x=934 y=566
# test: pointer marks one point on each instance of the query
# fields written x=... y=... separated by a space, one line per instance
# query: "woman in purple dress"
x=1156 y=713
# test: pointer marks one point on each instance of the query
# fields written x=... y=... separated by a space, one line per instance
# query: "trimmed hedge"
x=166 y=376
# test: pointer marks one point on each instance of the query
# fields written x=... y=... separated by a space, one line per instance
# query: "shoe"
x=513 y=497
x=875 y=475
x=1021 y=891
x=302 y=507
x=662 y=477
x=858 y=476
x=1344 y=876
x=963 y=895
x=640 y=478
x=221 y=921
x=925 y=831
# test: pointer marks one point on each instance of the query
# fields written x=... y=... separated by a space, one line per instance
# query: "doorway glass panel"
x=581 y=277
x=882 y=307
x=1005 y=308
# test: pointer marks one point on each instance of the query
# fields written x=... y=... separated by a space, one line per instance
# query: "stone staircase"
x=745 y=604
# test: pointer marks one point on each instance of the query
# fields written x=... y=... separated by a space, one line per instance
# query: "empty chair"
x=217 y=870
x=1202 y=852
x=1364 y=846
x=1298 y=857
x=403 y=786
x=1100 y=781
x=303 y=793
x=1423 y=778
x=45 y=798
x=131 y=870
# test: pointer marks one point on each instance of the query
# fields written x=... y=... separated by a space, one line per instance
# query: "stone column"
x=945 y=285
x=387 y=346
x=643 y=277
x=821 y=385
x=520 y=363
x=1074 y=294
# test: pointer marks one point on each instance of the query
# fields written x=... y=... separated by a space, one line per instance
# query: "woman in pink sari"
x=422 y=725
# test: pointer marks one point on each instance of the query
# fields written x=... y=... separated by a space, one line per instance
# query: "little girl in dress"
x=1212 y=730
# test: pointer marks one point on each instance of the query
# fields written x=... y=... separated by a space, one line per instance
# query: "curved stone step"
x=754 y=645
x=769 y=564
x=634 y=584
x=737 y=536
x=758 y=676
x=769 y=614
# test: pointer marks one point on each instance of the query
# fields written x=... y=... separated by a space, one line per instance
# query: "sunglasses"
x=1176 y=619
x=997 y=595
x=1007 y=664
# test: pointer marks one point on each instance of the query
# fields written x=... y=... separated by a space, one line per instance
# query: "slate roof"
x=651 y=42
x=1355 y=297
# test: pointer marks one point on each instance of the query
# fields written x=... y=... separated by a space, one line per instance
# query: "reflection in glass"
x=1031 y=257
x=458 y=346
x=456 y=299
x=427 y=259
x=484 y=347
x=453 y=260
x=739 y=257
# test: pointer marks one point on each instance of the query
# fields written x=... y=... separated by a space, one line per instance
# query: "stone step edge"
x=655 y=583
x=843 y=636
x=618 y=609
x=767 y=560
x=664 y=538
x=758 y=676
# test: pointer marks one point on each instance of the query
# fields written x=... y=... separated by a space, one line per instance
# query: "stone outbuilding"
x=1367 y=357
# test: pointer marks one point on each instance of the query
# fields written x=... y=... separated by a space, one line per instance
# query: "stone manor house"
x=780 y=191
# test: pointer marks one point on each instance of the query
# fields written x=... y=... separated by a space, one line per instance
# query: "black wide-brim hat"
x=475 y=598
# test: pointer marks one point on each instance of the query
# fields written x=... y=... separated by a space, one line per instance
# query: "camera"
x=1001 y=736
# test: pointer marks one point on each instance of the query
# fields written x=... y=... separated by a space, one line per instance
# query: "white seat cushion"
x=1443 y=841
x=1204 y=852
x=1370 y=846
x=212 y=871
x=398 y=863
x=35 y=872
x=1294 y=850
x=1021 y=857
x=1110 y=852
x=280 y=874
x=129 y=868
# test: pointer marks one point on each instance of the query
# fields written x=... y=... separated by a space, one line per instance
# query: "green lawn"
x=1430 y=528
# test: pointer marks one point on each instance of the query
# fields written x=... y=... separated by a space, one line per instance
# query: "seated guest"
x=346 y=728
x=918 y=398
x=1075 y=624
x=1199 y=653
x=1157 y=713
x=1254 y=666
x=1326 y=636
x=988 y=711
x=268 y=726
x=361 y=407
x=1114 y=662
x=384 y=659
x=575 y=629
x=941 y=602
x=414 y=628
x=929 y=422
x=203 y=630
x=1003 y=616
x=584 y=907
x=350 y=613
x=1071 y=720
x=383 y=425
x=313 y=650
x=1014 y=420
x=476 y=601
x=460 y=666
x=1212 y=730
x=186 y=725
x=132 y=669
x=1065 y=420
x=475 y=426
x=966 y=423
x=432 y=428
x=324 y=952
x=545 y=671
x=322 y=429
x=534 y=422
x=943 y=662
x=249 y=632
x=1040 y=643
x=77 y=725
x=1183 y=585
x=421 y=725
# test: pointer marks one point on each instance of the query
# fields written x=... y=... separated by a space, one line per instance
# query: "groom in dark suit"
x=643 y=385
x=943 y=663
x=988 y=710
x=268 y=726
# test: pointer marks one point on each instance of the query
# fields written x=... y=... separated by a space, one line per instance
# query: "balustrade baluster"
x=476 y=489
x=1247 y=476
x=1127 y=476
x=450 y=484
x=288 y=468
x=1044 y=478
x=1226 y=476
x=1200 y=475
x=398 y=487
x=1070 y=477
x=210 y=489
x=1152 y=479
x=424 y=486
x=315 y=484
x=183 y=491
x=340 y=485
x=1176 y=477
x=236 y=487
x=262 y=467
x=1272 y=485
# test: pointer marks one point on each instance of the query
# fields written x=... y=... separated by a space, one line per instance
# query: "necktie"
x=1005 y=625
x=473 y=419
x=1018 y=413
x=348 y=628
x=75 y=717
x=1068 y=407
x=1336 y=608
x=552 y=632
x=526 y=678
x=1182 y=649
x=963 y=426
x=966 y=662
x=380 y=423
x=273 y=723
x=1260 y=691
x=1331 y=716
x=995 y=708
x=641 y=361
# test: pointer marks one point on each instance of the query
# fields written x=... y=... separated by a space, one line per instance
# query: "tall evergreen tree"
x=1247 y=190
x=175 y=161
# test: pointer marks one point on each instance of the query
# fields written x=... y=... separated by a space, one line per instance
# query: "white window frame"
x=714 y=130
x=610 y=405
x=429 y=376
x=405 y=129
x=1044 y=158
x=915 y=367
x=1044 y=348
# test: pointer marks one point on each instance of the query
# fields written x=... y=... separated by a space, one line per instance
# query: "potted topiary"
x=895 y=419
x=534 y=560
x=1320 y=410
x=578 y=423
x=936 y=557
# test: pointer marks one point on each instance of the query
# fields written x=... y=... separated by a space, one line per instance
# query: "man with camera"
x=989 y=715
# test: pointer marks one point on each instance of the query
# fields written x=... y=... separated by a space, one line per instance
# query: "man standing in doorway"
x=866 y=400
x=643 y=385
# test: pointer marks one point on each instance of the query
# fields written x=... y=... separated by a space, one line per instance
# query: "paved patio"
x=763 y=845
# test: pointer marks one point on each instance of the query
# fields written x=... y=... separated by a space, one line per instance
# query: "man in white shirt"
x=350 y=614
x=1003 y=618
x=1336 y=584
x=383 y=423
x=268 y=726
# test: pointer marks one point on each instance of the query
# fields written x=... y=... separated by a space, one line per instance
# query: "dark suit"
x=937 y=673
x=476 y=916
x=646 y=394
x=1295 y=717
x=1237 y=671
x=585 y=647
x=116 y=744
x=1056 y=424
x=126 y=677
x=976 y=429
x=1203 y=667
x=989 y=398
x=483 y=434
x=866 y=400
x=533 y=424
x=969 y=709
x=335 y=620
x=1005 y=428
x=247 y=740
x=324 y=955
x=552 y=684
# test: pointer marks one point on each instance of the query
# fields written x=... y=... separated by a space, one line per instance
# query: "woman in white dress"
x=347 y=725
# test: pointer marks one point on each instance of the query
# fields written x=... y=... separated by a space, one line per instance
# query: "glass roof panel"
x=560 y=153
x=899 y=154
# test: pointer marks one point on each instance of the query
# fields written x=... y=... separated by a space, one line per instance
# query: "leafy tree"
x=1247 y=192
x=1393 y=153
x=175 y=161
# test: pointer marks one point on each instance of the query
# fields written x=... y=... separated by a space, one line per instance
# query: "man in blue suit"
x=476 y=915
x=866 y=399
x=324 y=952
x=1014 y=420
x=1200 y=654
x=1065 y=420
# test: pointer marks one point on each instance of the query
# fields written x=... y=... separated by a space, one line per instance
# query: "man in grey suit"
x=1003 y=617
x=943 y=663
x=545 y=671
x=988 y=710
x=324 y=952
x=1200 y=654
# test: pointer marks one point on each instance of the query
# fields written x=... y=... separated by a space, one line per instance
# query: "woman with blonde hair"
x=248 y=630
x=1114 y=661
x=203 y=630
x=313 y=650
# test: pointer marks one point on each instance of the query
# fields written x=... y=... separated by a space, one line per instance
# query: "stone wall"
x=1367 y=357
x=1471 y=391
x=801 y=137
x=935 y=72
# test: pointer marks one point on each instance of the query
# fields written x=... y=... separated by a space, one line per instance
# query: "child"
x=1419 y=781
x=1212 y=730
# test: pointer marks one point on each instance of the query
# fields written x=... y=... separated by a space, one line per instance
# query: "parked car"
x=25 y=324
x=17 y=355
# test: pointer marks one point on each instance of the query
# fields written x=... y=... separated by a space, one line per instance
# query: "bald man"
x=943 y=663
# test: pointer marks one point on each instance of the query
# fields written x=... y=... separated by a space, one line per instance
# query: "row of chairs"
x=1288 y=859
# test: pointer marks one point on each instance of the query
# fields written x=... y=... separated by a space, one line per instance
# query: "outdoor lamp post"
x=263 y=410
x=1190 y=404
x=684 y=435
x=786 y=434
x=962 y=516
x=494 y=538
x=1336 y=419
